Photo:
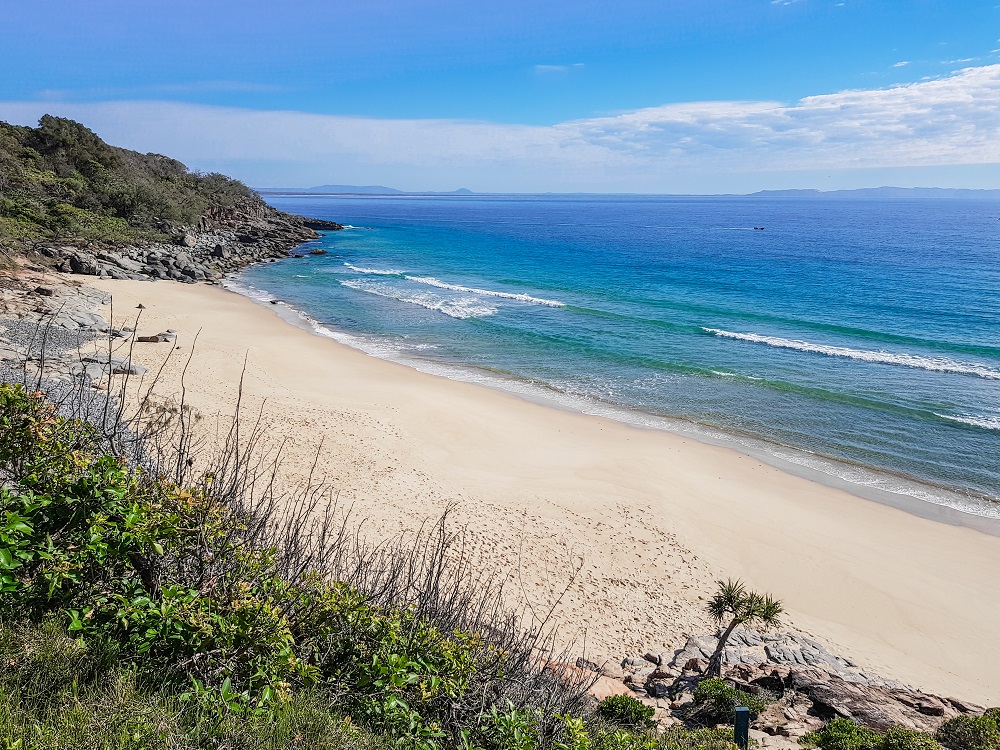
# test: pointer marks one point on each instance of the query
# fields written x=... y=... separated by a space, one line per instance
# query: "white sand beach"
x=655 y=517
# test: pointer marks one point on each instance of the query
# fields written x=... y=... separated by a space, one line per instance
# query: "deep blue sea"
x=856 y=338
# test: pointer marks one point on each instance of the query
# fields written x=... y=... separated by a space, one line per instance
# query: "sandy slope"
x=654 y=516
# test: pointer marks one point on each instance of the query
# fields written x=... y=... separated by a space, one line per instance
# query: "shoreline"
x=657 y=517
x=921 y=499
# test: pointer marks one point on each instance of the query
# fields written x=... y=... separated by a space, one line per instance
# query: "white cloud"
x=557 y=68
x=954 y=120
x=901 y=63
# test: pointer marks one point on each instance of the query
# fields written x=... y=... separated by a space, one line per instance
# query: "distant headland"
x=809 y=194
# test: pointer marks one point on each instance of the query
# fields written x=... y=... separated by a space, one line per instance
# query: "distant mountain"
x=355 y=190
x=882 y=192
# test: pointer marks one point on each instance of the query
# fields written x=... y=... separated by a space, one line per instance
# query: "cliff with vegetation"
x=72 y=202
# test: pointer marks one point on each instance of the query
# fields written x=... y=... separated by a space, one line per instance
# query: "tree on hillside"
x=735 y=604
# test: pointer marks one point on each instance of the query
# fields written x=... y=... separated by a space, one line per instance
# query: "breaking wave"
x=375 y=271
x=976 y=420
x=933 y=364
x=431 y=281
x=458 y=307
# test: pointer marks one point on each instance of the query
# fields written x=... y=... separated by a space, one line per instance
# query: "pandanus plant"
x=734 y=604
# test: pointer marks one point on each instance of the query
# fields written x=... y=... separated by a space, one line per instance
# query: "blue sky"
x=657 y=96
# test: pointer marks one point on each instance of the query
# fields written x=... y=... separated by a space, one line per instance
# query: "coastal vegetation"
x=958 y=733
x=61 y=181
x=734 y=605
x=147 y=603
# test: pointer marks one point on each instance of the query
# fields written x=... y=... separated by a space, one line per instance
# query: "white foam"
x=375 y=271
x=976 y=420
x=258 y=295
x=934 y=364
x=431 y=281
x=455 y=307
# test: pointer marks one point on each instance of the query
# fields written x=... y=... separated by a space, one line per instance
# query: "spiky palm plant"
x=734 y=603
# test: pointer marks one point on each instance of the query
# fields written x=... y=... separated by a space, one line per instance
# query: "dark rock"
x=321 y=224
x=318 y=251
x=83 y=264
x=44 y=291
x=659 y=688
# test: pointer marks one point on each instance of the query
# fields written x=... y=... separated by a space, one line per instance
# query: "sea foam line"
x=431 y=281
x=976 y=420
x=461 y=308
x=933 y=364
x=375 y=271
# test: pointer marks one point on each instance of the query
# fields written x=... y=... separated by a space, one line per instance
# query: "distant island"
x=811 y=194
x=883 y=192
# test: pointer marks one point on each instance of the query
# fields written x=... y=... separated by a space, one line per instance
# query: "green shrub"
x=843 y=734
x=970 y=733
x=626 y=711
x=510 y=728
x=900 y=738
x=673 y=738
x=715 y=700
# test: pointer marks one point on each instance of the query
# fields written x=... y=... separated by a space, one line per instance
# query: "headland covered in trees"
x=178 y=567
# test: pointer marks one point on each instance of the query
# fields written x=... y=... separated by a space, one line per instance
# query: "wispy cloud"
x=557 y=68
x=901 y=64
x=951 y=120
x=153 y=90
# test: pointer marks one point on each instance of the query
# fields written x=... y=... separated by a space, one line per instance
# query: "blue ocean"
x=855 y=339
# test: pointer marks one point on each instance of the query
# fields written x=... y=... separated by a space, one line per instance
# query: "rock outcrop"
x=224 y=241
x=806 y=684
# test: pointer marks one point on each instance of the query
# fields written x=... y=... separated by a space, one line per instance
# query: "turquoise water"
x=851 y=335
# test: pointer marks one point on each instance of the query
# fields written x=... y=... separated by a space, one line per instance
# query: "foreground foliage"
x=141 y=606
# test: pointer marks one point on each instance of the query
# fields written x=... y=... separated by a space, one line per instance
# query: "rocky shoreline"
x=225 y=241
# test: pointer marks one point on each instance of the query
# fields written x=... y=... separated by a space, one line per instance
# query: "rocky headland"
x=224 y=241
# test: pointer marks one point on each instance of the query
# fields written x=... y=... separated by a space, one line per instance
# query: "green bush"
x=626 y=711
x=900 y=738
x=970 y=732
x=673 y=738
x=843 y=734
x=715 y=700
